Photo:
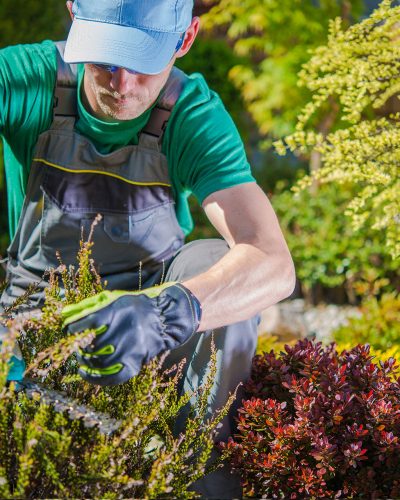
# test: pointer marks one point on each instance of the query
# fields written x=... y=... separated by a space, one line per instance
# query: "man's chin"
x=122 y=110
x=118 y=114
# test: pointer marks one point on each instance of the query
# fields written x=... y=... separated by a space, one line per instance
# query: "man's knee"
x=195 y=258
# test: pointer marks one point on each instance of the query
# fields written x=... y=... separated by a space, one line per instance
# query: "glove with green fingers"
x=131 y=328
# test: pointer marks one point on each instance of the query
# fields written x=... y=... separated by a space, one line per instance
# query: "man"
x=106 y=124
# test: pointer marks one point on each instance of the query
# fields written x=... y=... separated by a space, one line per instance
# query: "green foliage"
x=275 y=172
x=48 y=452
x=358 y=72
x=325 y=248
x=378 y=324
x=28 y=21
x=275 y=37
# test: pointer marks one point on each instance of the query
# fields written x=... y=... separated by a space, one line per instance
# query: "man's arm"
x=257 y=271
x=134 y=327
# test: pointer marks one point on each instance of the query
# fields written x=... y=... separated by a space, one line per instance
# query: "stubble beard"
x=133 y=105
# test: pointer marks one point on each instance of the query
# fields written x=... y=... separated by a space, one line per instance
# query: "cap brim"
x=146 y=52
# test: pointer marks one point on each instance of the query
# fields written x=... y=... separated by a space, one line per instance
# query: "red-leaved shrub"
x=319 y=424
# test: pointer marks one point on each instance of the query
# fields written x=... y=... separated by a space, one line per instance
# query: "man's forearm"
x=244 y=282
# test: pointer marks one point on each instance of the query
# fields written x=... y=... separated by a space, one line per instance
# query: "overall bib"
x=70 y=182
x=137 y=243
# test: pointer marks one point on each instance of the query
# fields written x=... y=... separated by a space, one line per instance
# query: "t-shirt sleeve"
x=203 y=147
x=27 y=77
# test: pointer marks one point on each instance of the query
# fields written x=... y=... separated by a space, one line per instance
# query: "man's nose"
x=121 y=81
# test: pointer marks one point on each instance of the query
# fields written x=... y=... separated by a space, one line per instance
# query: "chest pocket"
x=138 y=221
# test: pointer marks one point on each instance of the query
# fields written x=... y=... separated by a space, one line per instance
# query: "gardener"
x=105 y=124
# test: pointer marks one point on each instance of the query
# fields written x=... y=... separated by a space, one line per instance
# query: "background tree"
x=359 y=71
x=334 y=263
x=275 y=36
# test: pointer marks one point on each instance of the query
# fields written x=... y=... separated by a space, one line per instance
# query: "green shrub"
x=378 y=325
x=49 y=452
x=326 y=249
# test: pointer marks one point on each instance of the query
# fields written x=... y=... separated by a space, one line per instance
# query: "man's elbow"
x=279 y=266
x=282 y=270
x=288 y=276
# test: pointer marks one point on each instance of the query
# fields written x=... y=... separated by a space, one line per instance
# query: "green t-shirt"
x=202 y=145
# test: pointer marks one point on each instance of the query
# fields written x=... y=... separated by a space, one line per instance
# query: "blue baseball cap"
x=140 y=35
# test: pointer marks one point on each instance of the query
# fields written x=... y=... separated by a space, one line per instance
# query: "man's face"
x=121 y=95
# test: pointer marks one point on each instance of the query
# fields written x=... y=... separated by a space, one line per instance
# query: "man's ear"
x=69 y=7
x=190 y=36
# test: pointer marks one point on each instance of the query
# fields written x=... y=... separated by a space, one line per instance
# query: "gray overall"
x=138 y=241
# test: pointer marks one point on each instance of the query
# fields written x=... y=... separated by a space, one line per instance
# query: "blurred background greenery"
x=250 y=52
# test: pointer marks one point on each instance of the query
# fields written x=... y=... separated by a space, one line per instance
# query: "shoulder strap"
x=65 y=100
x=166 y=102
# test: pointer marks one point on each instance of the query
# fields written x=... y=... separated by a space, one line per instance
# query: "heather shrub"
x=319 y=424
x=90 y=441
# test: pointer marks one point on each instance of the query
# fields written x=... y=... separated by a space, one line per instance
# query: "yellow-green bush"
x=266 y=343
x=357 y=74
x=378 y=325
x=274 y=38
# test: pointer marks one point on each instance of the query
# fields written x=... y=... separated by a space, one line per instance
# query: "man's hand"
x=131 y=328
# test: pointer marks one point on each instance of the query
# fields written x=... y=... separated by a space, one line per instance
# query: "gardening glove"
x=131 y=328
x=16 y=363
